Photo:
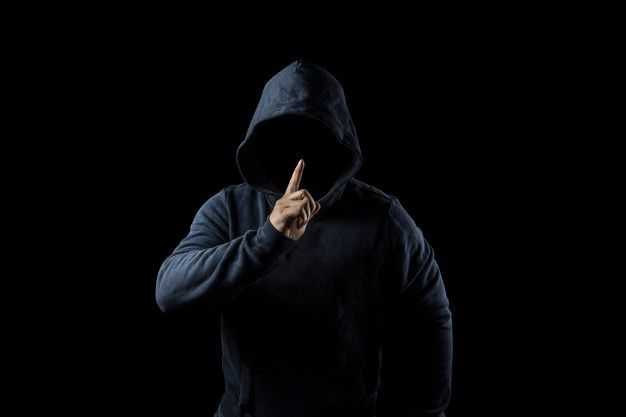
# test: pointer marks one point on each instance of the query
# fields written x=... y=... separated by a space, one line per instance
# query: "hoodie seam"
x=389 y=215
x=415 y=276
x=371 y=189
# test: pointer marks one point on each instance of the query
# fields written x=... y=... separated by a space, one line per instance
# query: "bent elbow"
x=163 y=293
x=164 y=301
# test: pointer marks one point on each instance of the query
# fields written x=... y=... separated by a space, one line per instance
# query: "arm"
x=417 y=345
x=207 y=266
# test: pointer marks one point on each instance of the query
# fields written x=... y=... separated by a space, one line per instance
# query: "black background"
x=162 y=116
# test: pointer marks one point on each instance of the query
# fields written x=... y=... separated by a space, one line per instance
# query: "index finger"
x=294 y=182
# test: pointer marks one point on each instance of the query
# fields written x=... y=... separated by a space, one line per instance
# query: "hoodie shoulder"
x=235 y=187
x=243 y=193
x=369 y=191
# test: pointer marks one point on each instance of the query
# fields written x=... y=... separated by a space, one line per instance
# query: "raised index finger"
x=294 y=182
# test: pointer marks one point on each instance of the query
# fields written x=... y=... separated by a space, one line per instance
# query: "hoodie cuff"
x=270 y=243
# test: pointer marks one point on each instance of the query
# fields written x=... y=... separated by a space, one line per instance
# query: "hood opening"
x=270 y=153
x=302 y=113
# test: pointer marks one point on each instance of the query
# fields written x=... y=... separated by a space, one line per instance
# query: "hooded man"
x=319 y=278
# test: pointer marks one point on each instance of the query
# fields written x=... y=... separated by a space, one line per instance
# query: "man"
x=319 y=277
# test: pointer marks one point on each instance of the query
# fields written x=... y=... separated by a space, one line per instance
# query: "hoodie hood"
x=302 y=113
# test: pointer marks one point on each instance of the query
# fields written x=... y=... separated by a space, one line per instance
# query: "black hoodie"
x=307 y=324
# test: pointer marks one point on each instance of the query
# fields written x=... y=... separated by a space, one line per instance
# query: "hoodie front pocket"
x=300 y=393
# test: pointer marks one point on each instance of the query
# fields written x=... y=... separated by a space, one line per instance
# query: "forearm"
x=191 y=273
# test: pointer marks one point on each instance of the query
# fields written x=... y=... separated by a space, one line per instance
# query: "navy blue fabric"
x=306 y=324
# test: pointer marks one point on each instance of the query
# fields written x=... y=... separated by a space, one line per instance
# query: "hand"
x=294 y=210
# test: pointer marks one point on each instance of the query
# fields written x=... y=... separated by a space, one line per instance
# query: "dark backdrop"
x=164 y=116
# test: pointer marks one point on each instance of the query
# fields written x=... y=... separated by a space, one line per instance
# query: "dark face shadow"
x=282 y=141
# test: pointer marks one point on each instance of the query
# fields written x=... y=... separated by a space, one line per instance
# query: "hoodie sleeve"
x=417 y=345
x=208 y=267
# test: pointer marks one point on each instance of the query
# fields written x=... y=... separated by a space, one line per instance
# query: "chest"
x=333 y=266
